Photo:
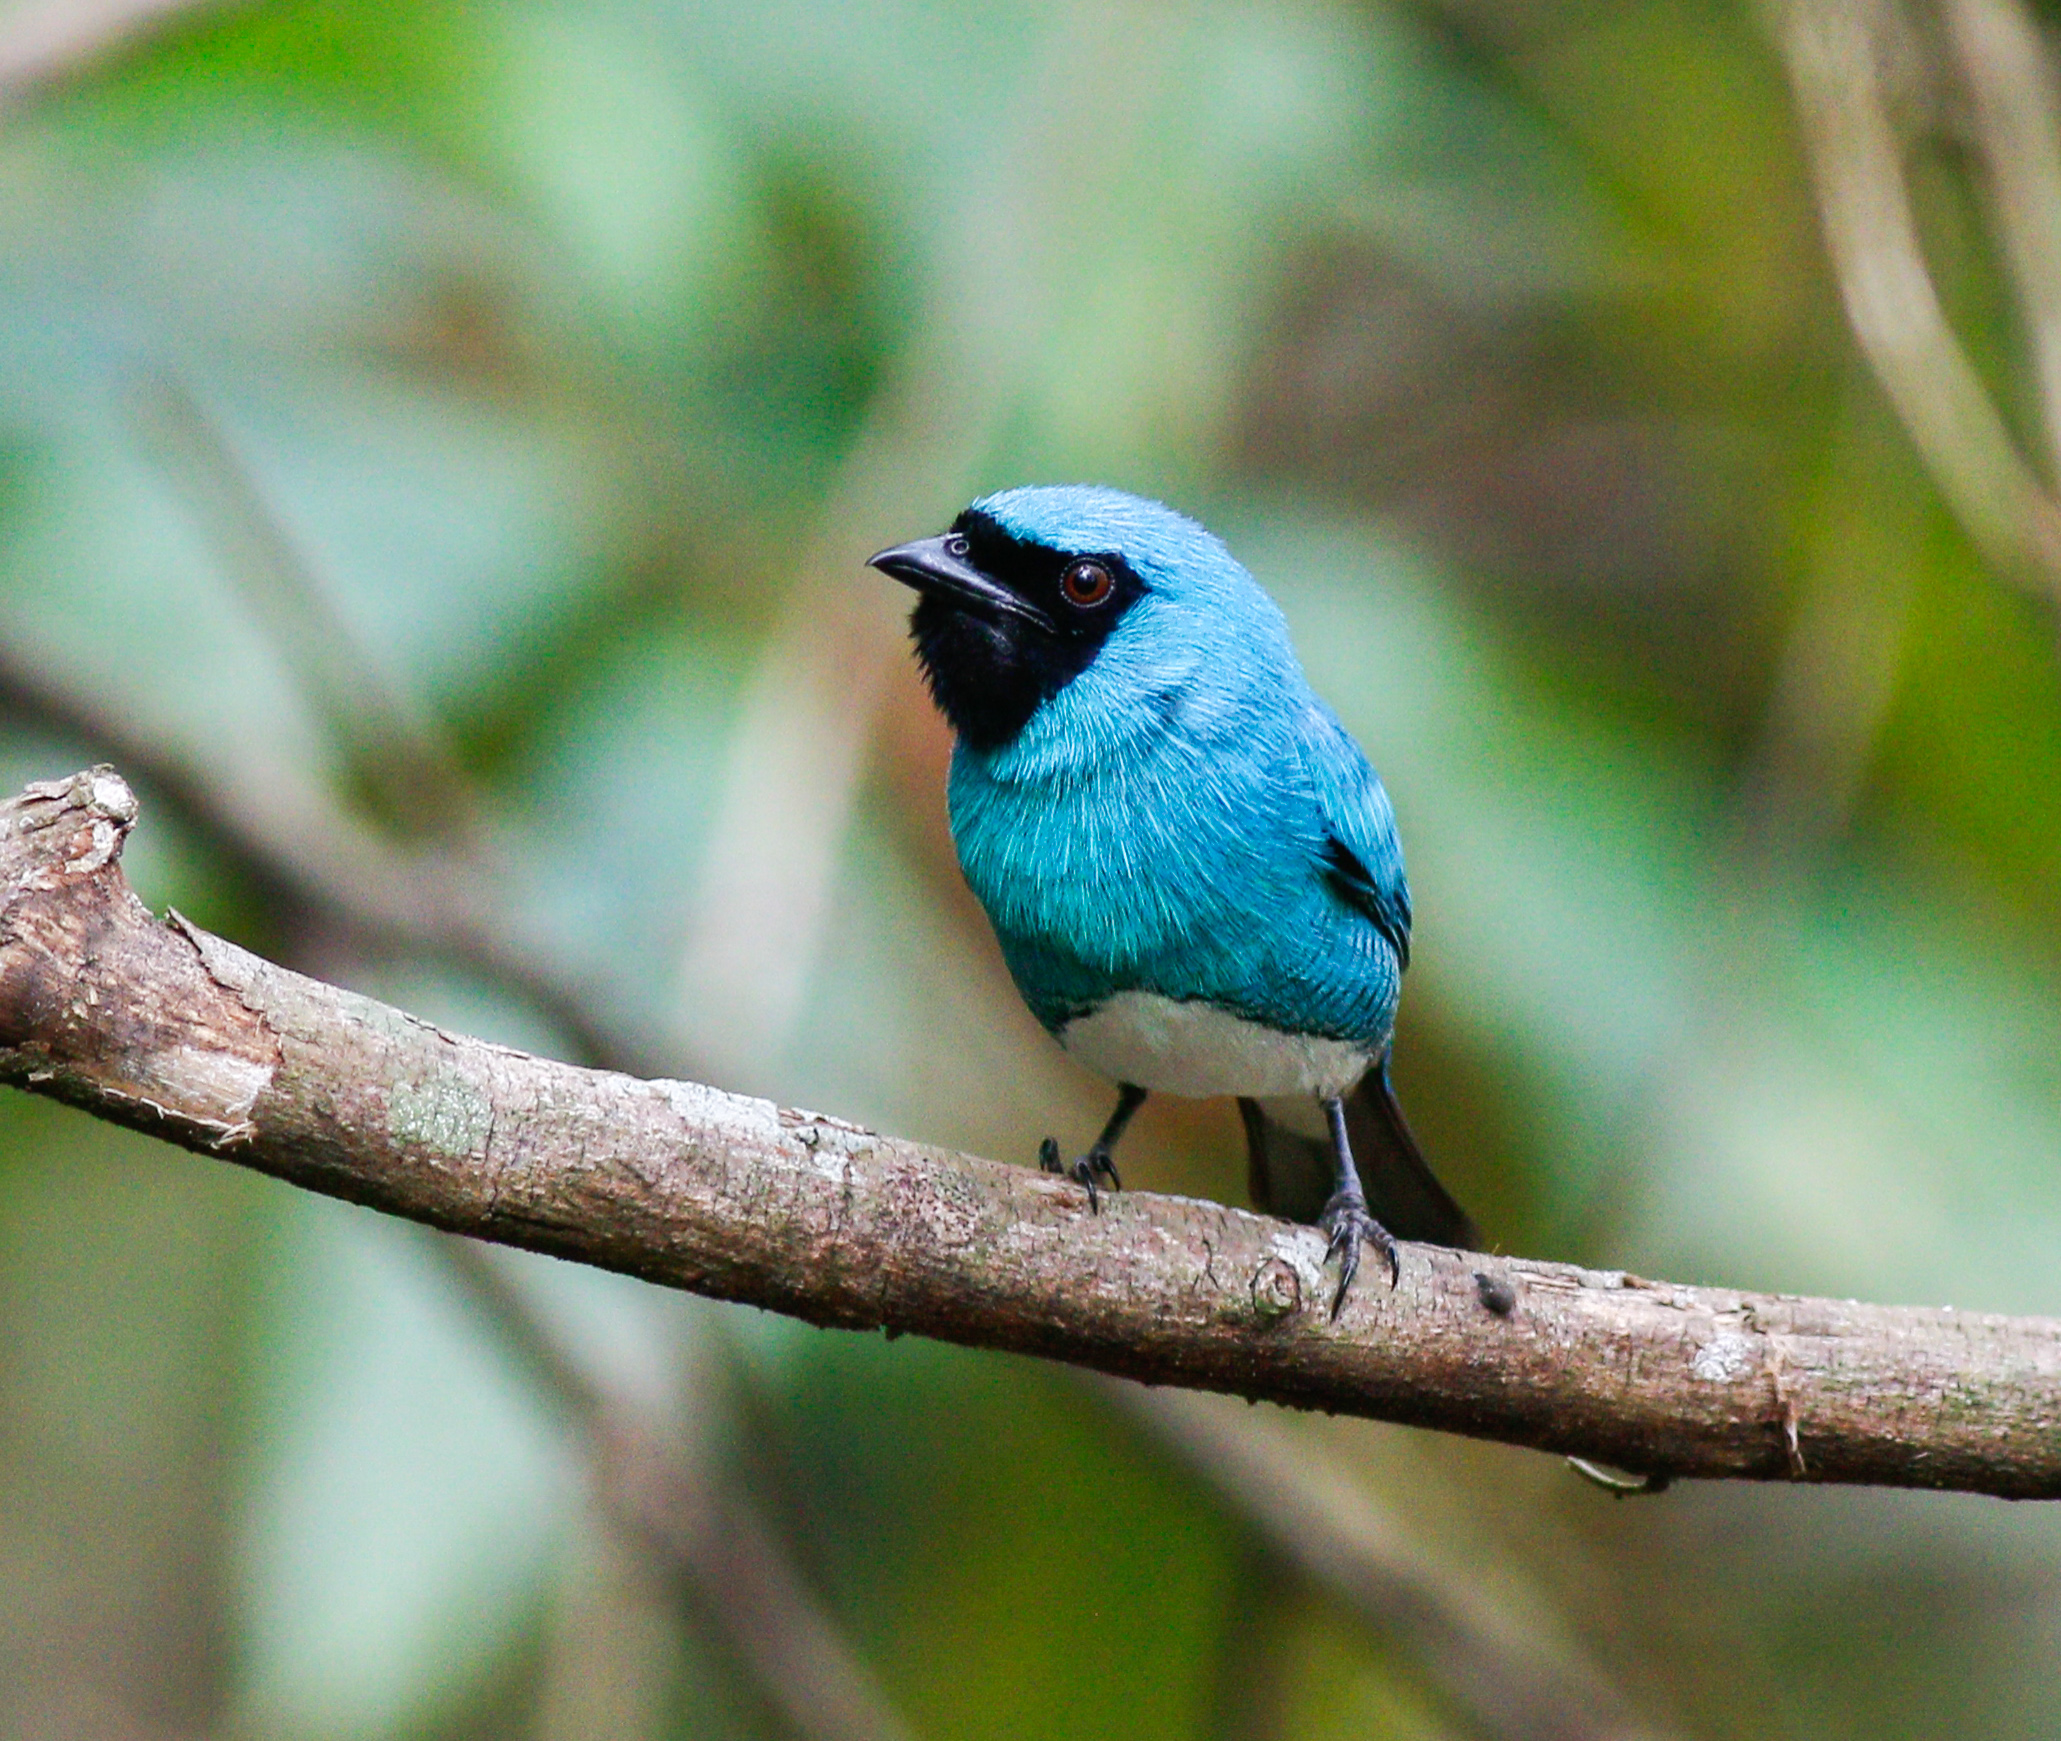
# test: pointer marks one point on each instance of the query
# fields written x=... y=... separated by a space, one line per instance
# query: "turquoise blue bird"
x=1192 y=870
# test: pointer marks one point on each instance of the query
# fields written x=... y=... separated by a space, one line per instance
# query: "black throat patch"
x=989 y=675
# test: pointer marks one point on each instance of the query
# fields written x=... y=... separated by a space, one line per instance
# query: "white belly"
x=1192 y=1049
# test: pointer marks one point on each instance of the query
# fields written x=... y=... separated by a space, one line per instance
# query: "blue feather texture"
x=1184 y=817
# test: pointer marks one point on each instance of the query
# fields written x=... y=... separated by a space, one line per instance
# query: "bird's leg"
x=1345 y=1217
x=1129 y=1097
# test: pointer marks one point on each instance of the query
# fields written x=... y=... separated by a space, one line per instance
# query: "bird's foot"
x=1346 y=1221
x=1083 y=1171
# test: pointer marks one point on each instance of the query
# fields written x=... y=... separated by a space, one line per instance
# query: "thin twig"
x=1618 y=1486
x=161 y=1027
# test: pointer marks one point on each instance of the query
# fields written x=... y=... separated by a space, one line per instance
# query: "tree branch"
x=160 y=1026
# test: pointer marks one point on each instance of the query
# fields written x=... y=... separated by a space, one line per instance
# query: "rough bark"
x=158 y=1025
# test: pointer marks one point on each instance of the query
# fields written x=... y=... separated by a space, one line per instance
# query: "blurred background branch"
x=2016 y=91
x=1836 y=51
x=399 y=766
x=1317 y=1522
x=325 y=866
x=734 y=1573
x=44 y=41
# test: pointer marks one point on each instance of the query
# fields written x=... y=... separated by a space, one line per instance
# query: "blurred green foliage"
x=581 y=350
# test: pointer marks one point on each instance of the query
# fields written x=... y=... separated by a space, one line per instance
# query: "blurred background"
x=438 y=442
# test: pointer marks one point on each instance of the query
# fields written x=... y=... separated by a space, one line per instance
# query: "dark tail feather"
x=1403 y=1193
x=1291 y=1175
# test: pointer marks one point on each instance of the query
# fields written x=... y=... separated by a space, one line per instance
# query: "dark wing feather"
x=1363 y=859
x=1388 y=905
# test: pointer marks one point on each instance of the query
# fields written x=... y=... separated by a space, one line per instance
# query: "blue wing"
x=1363 y=856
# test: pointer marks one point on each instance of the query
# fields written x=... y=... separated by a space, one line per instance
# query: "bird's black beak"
x=938 y=566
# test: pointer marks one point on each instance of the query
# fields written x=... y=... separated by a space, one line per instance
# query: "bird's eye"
x=956 y=546
x=1086 y=584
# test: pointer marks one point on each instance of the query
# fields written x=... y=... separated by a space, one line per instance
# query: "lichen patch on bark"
x=445 y=1115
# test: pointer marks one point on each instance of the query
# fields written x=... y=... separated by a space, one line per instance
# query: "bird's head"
x=1114 y=601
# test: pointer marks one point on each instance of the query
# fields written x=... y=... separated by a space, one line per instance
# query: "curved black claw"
x=1083 y=1171
x=1346 y=1221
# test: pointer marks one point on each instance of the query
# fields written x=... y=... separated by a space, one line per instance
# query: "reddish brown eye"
x=1086 y=584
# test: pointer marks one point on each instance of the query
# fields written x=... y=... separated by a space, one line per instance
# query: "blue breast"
x=1180 y=844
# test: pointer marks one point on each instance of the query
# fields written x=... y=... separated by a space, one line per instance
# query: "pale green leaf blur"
x=582 y=351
